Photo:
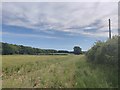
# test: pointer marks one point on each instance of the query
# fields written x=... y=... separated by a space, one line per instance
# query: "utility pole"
x=109 y=29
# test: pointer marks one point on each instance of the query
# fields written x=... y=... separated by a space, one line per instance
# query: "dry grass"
x=62 y=71
x=39 y=71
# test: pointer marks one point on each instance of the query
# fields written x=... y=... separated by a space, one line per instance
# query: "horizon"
x=59 y=26
x=39 y=48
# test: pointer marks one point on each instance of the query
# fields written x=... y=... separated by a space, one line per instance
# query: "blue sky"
x=57 y=25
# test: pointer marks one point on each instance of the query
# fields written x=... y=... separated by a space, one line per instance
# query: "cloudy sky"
x=58 y=25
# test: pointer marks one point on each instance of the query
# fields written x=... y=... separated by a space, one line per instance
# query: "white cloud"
x=60 y=0
x=27 y=35
x=63 y=17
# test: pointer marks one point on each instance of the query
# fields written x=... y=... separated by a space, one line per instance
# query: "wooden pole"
x=109 y=29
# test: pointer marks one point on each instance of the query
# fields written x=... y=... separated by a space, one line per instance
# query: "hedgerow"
x=104 y=52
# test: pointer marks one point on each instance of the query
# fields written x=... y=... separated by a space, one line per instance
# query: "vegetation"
x=104 y=52
x=77 y=50
x=98 y=68
x=63 y=71
x=104 y=55
x=39 y=71
x=12 y=49
x=89 y=75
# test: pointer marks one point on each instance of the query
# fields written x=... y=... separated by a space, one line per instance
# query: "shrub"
x=104 y=52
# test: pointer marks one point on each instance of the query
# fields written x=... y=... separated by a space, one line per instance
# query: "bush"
x=104 y=52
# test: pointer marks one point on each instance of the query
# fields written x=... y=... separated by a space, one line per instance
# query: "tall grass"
x=65 y=71
x=39 y=71
x=89 y=75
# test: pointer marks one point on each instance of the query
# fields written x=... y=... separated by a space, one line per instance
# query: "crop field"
x=55 y=71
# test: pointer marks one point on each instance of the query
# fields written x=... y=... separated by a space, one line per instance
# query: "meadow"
x=55 y=71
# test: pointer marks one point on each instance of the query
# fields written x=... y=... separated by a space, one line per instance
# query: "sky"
x=58 y=25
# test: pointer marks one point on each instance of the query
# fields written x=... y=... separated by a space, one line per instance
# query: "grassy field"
x=55 y=71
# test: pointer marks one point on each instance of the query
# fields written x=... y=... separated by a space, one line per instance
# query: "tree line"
x=10 y=49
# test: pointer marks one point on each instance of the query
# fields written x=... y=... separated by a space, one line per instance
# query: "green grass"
x=57 y=71
x=95 y=76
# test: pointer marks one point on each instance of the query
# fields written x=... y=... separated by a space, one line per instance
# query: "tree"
x=77 y=50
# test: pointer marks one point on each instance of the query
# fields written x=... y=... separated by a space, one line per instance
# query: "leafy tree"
x=77 y=50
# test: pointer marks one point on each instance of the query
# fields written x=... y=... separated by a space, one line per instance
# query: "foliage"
x=10 y=49
x=77 y=50
x=104 y=52
x=63 y=51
